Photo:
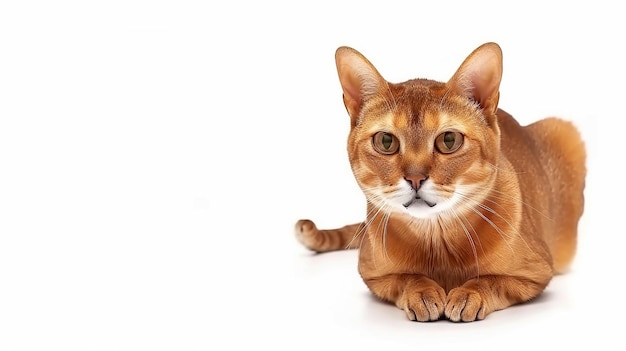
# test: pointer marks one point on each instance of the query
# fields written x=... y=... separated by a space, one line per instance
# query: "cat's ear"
x=359 y=79
x=479 y=76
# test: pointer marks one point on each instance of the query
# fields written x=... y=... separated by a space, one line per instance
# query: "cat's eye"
x=385 y=143
x=449 y=142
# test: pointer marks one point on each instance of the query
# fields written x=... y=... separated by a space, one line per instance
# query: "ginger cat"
x=467 y=211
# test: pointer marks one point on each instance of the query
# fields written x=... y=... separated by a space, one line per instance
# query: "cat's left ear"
x=479 y=76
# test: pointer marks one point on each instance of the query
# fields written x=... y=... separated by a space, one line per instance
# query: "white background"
x=155 y=155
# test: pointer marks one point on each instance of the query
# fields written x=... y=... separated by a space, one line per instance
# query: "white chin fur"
x=420 y=209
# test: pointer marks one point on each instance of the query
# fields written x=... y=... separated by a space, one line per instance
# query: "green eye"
x=449 y=142
x=386 y=140
x=385 y=143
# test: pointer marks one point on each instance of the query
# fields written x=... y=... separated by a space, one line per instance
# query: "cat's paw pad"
x=423 y=305
x=307 y=234
x=465 y=305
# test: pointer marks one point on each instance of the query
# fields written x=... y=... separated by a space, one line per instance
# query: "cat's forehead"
x=420 y=108
x=423 y=104
x=412 y=122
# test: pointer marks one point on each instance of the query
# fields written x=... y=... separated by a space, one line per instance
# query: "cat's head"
x=423 y=147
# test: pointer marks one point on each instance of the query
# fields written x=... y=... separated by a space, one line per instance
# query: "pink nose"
x=415 y=180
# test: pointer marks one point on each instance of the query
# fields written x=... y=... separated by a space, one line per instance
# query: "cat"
x=468 y=212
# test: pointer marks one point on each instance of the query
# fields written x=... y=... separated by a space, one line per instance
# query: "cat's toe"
x=465 y=305
x=423 y=305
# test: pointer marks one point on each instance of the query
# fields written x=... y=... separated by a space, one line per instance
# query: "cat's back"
x=549 y=159
x=553 y=142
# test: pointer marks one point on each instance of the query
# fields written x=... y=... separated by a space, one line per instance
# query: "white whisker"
x=495 y=226
x=386 y=216
x=471 y=241
x=363 y=227
x=503 y=195
x=491 y=210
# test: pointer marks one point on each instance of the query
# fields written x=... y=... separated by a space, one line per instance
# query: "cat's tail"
x=565 y=160
x=330 y=239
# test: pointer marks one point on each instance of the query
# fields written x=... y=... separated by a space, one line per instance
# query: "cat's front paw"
x=307 y=234
x=465 y=304
x=423 y=304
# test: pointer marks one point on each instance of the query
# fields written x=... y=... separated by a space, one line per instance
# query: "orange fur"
x=467 y=211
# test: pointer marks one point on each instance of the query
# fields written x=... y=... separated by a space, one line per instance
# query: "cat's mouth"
x=416 y=199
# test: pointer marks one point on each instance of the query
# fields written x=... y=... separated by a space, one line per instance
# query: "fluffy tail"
x=564 y=159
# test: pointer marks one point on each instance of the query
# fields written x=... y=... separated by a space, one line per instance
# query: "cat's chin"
x=427 y=209
x=422 y=209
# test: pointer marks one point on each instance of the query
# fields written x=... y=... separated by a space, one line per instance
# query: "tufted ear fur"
x=479 y=77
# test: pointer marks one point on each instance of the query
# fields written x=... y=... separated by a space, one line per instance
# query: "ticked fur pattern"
x=468 y=212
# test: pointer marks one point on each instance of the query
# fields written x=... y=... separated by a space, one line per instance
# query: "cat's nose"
x=416 y=180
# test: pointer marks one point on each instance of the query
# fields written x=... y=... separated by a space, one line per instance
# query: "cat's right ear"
x=359 y=79
x=479 y=76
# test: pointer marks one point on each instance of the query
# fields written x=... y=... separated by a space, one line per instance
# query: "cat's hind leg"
x=347 y=237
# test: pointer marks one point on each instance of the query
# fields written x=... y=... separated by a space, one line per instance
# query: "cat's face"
x=421 y=147
x=422 y=154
